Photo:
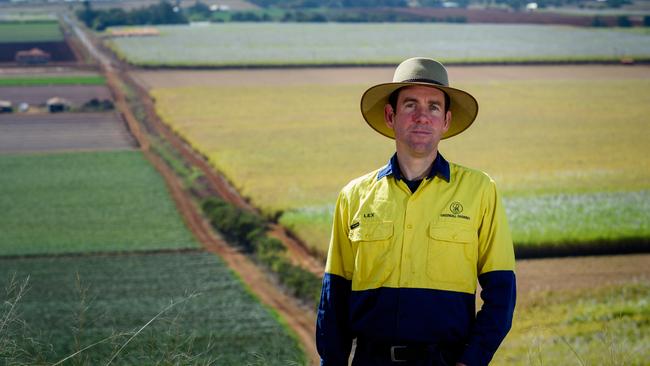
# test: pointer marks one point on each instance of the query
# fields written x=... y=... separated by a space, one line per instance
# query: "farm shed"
x=57 y=104
x=5 y=106
x=32 y=57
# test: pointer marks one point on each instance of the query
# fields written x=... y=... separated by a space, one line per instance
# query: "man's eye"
x=434 y=107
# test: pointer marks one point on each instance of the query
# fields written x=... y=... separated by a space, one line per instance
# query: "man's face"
x=419 y=120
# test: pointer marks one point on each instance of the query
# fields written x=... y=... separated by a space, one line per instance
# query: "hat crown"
x=421 y=69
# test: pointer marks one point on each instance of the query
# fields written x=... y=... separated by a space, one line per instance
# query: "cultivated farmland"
x=291 y=148
x=240 y=44
x=63 y=132
x=75 y=302
x=86 y=202
x=30 y=31
x=39 y=94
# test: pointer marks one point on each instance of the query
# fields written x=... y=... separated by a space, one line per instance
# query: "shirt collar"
x=440 y=168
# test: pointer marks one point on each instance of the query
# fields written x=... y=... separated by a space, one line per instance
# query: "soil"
x=374 y=75
x=22 y=133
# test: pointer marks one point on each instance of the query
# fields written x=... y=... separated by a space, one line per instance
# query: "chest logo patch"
x=456 y=208
x=456 y=211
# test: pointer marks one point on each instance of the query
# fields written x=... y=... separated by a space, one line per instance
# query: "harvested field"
x=38 y=95
x=21 y=133
x=370 y=75
x=580 y=273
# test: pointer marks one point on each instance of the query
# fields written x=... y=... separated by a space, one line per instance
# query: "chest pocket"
x=452 y=255
x=371 y=242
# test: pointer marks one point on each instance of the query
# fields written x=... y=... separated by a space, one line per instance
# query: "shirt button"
x=409 y=226
x=455 y=236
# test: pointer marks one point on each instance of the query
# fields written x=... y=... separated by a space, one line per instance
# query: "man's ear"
x=389 y=116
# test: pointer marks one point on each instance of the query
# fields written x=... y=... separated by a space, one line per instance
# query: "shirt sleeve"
x=333 y=336
x=497 y=279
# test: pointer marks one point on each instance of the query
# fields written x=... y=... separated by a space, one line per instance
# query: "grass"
x=86 y=202
x=52 y=80
x=561 y=151
x=606 y=326
x=241 y=44
x=30 y=31
x=199 y=312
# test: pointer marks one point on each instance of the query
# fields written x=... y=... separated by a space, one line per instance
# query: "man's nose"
x=421 y=115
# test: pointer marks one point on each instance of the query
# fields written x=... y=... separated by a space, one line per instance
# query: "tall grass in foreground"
x=607 y=326
x=137 y=309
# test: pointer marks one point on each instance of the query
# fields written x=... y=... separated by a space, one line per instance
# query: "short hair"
x=392 y=99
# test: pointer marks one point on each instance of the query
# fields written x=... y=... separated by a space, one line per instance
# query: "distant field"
x=73 y=302
x=561 y=150
x=50 y=132
x=34 y=31
x=52 y=80
x=86 y=202
x=339 y=43
x=595 y=327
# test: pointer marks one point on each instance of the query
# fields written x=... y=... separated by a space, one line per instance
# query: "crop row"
x=238 y=44
x=199 y=312
x=88 y=202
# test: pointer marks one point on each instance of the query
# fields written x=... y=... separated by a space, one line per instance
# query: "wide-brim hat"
x=419 y=71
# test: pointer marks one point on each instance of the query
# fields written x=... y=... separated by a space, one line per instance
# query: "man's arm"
x=333 y=336
x=498 y=284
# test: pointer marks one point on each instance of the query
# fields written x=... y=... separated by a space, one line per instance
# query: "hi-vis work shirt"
x=402 y=266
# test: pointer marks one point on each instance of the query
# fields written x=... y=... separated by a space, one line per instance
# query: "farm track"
x=299 y=319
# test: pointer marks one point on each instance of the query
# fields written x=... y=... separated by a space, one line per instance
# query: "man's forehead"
x=421 y=90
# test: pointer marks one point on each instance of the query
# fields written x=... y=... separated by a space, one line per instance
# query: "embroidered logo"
x=456 y=209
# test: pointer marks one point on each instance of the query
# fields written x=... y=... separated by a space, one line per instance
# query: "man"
x=410 y=240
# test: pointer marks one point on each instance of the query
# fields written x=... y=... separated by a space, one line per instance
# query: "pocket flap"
x=452 y=234
x=372 y=231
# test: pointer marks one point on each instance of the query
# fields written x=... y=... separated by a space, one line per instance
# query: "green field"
x=30 y=31
x=74 y=302
x=380 y=43
x=570 y=156
x=86 y=202
x=52 y=80
x=607 y=326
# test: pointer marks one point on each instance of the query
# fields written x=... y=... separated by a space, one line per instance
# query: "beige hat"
x=419 y=71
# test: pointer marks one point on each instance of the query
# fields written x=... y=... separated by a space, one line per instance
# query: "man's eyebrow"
x=412 y=99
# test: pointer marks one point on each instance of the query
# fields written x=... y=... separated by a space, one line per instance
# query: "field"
x=77 y=95
x=241 y=44
x=21 y=133
x=86 y=202
x=30 y=31
x=291 y=149
x=74 y=302
x=590 y=327
x=52 y=80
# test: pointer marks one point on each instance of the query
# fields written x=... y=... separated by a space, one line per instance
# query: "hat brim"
x=464 y=107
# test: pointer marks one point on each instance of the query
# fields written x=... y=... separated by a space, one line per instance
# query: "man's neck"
x=415 y=168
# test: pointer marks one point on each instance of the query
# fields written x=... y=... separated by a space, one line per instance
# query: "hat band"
x=430 y=81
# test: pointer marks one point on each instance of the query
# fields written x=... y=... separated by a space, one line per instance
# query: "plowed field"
x=63 y=132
